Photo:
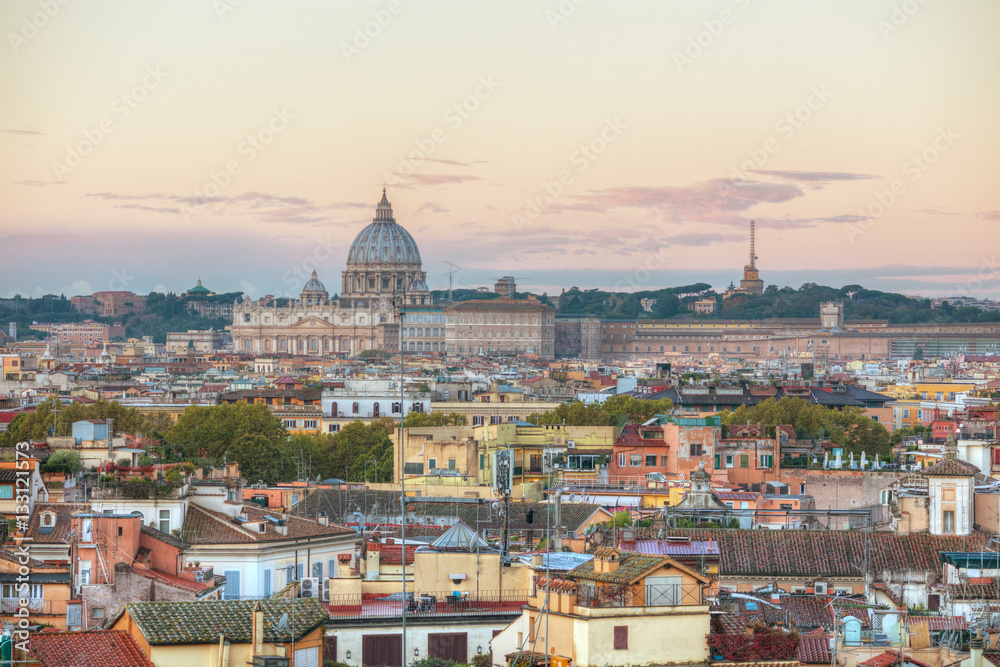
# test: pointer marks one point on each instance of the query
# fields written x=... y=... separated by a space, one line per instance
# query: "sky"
x=566 y=142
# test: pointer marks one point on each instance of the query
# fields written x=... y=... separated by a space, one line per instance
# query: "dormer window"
x=262 y=527
x=47 y=522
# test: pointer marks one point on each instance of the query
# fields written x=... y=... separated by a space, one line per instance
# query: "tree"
x=435 y=418
x=210 y=431
x=261 y=458
x=918 y=353
x=609 y=413
x=65 y=461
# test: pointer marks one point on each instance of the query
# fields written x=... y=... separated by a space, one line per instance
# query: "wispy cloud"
x=413 y=180
x=989 y=215
x=24 y=131
x=431 y=207
x=813 y=176
x=40 y=184
x=456 y=163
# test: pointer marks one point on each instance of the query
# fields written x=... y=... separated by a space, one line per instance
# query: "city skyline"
x=247 y=144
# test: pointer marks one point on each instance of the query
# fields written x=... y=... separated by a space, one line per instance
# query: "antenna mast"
x=753 y=253
x=451 y=276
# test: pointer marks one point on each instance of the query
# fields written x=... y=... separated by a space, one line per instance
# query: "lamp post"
x=401 y=309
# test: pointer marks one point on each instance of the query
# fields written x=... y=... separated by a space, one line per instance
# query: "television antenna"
x=451 y=277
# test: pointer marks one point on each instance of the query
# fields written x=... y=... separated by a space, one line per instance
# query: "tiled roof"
x=30 y=562
x=631 y=566
x=737 y=495
x=993 y=657
x=60 y=532
x=340 y=504
x=672 y=548
x=104 y=648
x=390 y=554
x=763 y=553
x=938 y=623
x=204 y=526
x=889 y=658
x=952 y=468
x=203 y=622
x=814 y=649
x=560 y=585
x=164 y=537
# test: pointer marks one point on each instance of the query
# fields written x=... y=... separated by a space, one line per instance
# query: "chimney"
x=257 y=631
x=976 y=651
x=323 y=519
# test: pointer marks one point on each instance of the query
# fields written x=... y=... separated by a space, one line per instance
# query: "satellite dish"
x=283 y=622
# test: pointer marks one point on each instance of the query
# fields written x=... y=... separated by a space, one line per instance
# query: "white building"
x=951 y=487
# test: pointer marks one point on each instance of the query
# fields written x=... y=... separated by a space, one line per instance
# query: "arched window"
x=435 y=347
x=333 y=409
x=413 y=331
x=375 y=410
x=355 y=408
x=435 y=331
x=420 y=346
x=283 y=344
x=420 y=331
x=413 y=347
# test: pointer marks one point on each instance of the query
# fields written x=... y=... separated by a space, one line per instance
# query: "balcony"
x=425 y=605
x=12 y=605
x=672 y=595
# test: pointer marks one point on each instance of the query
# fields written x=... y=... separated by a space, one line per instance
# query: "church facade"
x=382 y=261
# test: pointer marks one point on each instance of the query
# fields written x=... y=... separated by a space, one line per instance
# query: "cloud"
x=40 y=184
x=24 y=131
x=412 y=180
x=431 y=207
x=716 y=201
x=457 y=163
x=699 y=239
x=989 y=215
x=154 y=209
x=814 y=176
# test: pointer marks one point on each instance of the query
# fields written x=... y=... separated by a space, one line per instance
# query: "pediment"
x=311 y=322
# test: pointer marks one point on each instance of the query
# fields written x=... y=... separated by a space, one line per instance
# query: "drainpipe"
x=558 y=517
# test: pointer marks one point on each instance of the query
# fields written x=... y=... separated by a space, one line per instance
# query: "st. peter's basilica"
x=382 y=261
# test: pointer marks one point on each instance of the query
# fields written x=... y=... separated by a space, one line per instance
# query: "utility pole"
x=402 y=463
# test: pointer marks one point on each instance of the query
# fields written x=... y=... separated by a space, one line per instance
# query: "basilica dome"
x=383 y=241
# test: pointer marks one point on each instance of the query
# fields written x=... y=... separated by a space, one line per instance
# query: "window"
x=744 y=460
x=355 y=408
x=696 y=449
x=766 y=461
x=729 y=460
x=165 y=521
x=634 y=460
x=318 y=568
x=310 y=423
x=267 y=582
x=495 y=419
x=451 y=464
x=413 y=468
x=432 y=464
x=651 y=460
x=621 y=637
x=621 y=460
x=7 y=491
x=906 y=413
x=332 y=428
x=477 y=420
x=948 y=522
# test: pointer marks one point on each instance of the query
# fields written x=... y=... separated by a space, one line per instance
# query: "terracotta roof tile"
x=631 y=566
x=814 y=649
x=202 y=622
x=204 y=526
x=105 y=648
x=952 y=468
x=60 y=532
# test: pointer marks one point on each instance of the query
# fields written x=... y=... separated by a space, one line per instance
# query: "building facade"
x=110 y=304
x=503 y=325
x=87 y=331
x=578 y=337
x=382 y=262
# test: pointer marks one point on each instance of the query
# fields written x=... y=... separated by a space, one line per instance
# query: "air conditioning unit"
x=326 y=590
x=571 y=444
x=819 y=588
x=310 y=588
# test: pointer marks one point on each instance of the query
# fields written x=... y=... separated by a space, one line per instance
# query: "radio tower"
x=753 y=254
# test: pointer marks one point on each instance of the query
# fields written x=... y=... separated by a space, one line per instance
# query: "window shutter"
x=621 y=637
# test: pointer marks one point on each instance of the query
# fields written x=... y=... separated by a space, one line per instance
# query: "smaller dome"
x=198 y=289
x=417 y=285
x=314 y=285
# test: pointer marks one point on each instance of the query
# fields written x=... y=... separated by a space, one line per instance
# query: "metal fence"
x=482 y=603
x=651 y=595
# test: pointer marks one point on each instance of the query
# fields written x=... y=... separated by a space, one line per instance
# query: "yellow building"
x=17 y=367
x=576 y=449
x=620 y=608
x=905 y=413
x=45 y=597
x=942 y=391
x=226 y=634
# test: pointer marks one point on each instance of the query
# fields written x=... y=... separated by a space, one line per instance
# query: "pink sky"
x=616 y=145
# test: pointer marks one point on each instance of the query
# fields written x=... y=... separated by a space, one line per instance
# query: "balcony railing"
x=12 y=605
x=653 y=595
x=483 y=603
